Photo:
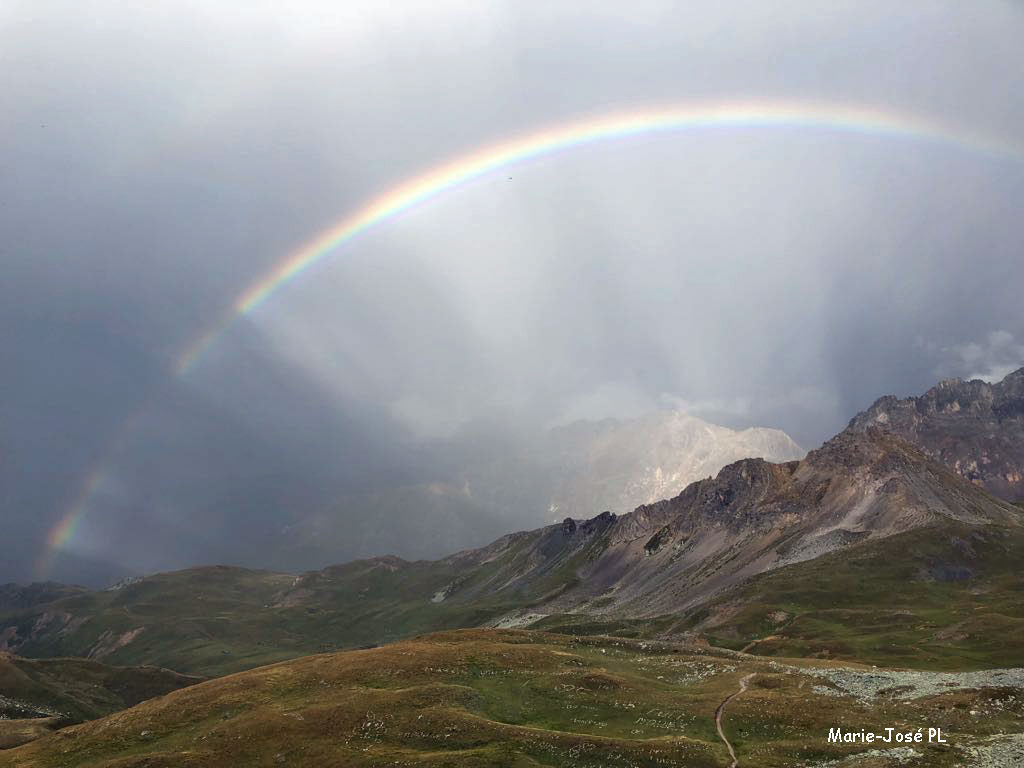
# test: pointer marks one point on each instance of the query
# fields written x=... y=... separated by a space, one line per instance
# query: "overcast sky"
x=154 y=161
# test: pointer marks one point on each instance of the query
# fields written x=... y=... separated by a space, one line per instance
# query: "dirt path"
x=746 y=648
x=755 y=642
x=744 y=681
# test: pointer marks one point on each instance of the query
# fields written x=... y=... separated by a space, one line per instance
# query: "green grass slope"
x=944 y=597
x=476 y=698
x=217 y=620
x=948 y=597
x=37 y=695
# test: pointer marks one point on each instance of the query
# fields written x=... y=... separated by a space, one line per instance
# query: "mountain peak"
x=620 y=464
x=973 y=427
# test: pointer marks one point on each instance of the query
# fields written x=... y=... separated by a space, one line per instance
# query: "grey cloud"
x=990 y=358
x=159 y=158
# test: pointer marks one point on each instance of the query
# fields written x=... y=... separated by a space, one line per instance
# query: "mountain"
x=754 y=516
x=942 y=597
x=617 y=465
x=870 y=549
x=643 y=571
x=485 y=486
x=973 y=427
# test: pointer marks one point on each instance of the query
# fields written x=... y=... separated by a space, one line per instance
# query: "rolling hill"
x=37 y=696
x=477 y=698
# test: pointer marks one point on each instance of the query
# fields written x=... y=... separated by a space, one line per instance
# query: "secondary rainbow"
x=491 y=158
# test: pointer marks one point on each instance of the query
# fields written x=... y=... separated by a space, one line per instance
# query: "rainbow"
x=96 y=479
x=64 y=531
x=848 y=118
x=548 y=141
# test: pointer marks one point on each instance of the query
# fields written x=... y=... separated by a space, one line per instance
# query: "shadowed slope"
x=36 y=696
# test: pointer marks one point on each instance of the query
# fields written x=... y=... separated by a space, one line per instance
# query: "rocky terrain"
x=620 y=464
x=973 y=427
x=486 y=488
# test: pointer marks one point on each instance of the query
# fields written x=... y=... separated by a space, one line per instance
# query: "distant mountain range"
x=570 y=471
x=655 y=570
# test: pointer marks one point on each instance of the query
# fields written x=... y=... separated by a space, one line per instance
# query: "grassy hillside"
x=78 y=689
x=947 y=597
x=950 y=597
x=501 y=698
x=36 y=696
x=213 y=621
x=216 y=620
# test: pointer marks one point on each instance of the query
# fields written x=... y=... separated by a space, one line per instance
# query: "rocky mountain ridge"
x=531 y=479
x=755 y=516
x=620 y=464
x=664 y=559
x=973 y=427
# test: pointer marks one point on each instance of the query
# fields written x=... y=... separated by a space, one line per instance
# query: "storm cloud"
x=157 y=160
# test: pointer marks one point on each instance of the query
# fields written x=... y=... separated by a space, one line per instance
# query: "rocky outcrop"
x=620 y=464
x=755 y=516
x=973 y=427
x=752 y=517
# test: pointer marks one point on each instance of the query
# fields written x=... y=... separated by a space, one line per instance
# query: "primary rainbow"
x=95 y=480
x=850 y=118
x=464 y=168
x=64 y=531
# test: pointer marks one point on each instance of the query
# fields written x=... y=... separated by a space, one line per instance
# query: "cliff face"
x=974 y=428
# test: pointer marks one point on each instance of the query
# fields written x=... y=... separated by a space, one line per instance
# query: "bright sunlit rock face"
x=618 y=465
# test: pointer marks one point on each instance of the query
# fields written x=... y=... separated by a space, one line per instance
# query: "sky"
x=159 y=160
